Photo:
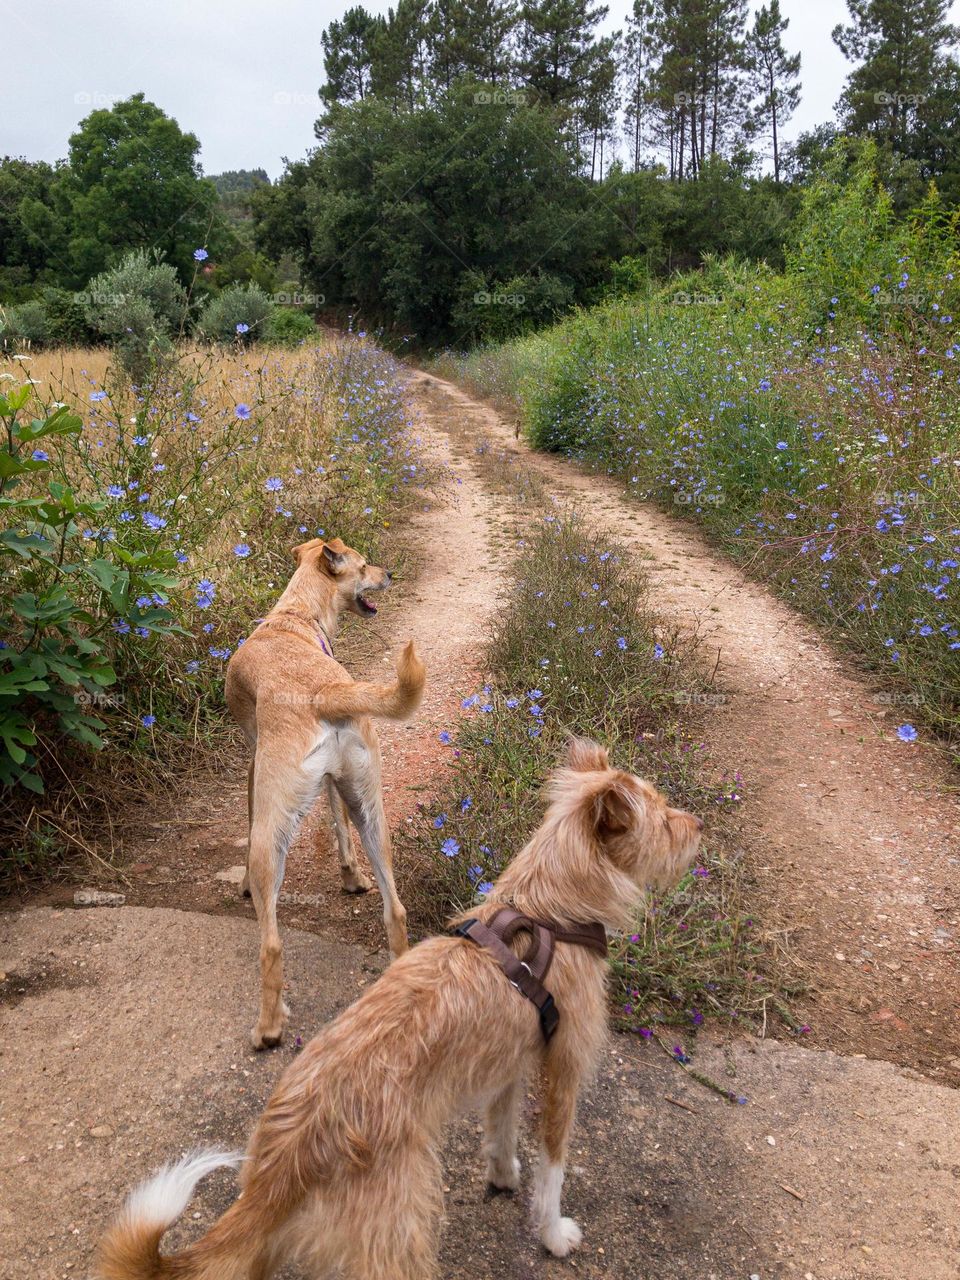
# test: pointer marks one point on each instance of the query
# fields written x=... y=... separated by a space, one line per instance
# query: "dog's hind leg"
x=278 y=813
x=370 y=819
x=351 y=877
x=500 y=1139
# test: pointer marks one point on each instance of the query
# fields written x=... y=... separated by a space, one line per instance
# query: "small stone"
x=98 y=898
x=771 y=1141
x=232 y=875
x=101 y=1131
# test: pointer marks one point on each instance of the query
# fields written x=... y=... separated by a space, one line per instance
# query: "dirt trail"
x=124 y=1031
x=855 y=834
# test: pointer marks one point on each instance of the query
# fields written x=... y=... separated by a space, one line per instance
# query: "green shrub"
x=137 y=306
x=28 y=323
x=66 y=312
x=238 y=314
x=288 y=327
x=54 y=663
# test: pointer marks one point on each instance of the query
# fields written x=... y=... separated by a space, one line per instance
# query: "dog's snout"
x=389 y=576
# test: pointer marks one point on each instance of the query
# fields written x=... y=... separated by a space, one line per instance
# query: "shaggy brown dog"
x=342 y=1172
x=306 y=722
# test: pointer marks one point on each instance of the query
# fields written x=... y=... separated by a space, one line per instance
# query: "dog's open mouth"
x=365 y=607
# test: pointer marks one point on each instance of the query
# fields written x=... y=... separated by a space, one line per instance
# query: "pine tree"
x=348 y=56
x=558 y=50
x=772 y=75
x=636 y=67
x=399 y=73
x=901 y=46
x=697 y=82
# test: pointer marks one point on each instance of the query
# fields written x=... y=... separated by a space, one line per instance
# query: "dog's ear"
x=615 y=807
x=299 y=552
x=333 y=561
x=586 y=756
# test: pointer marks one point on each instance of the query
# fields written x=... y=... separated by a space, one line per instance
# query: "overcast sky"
x=243 y=76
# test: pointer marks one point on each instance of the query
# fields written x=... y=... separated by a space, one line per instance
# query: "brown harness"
x=527 y=972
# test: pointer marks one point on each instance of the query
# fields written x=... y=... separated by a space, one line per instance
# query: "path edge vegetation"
x=576 y=649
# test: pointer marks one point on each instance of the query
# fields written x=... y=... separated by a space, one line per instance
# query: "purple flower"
x=443 y=736
x=38 y=455
x=243 y=328
x=440 y=821
x=907 y=733
x=242 y=411
x=241 y=551
x=200 y=255
x=450 y=848
x=98 y=395
x=273 y=484
x=148 y=721
x=658 y=651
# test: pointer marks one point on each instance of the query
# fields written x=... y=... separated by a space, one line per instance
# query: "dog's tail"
x=364 y=698
x=131 y=1248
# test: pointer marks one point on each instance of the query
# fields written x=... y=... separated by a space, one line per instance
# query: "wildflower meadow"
x=808 y=421
x=149 y=526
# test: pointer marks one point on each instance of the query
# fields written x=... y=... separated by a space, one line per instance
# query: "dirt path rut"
x=855 y=835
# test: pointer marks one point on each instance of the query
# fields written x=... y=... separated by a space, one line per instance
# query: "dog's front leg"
x=560 y=1236
x=500 y=1139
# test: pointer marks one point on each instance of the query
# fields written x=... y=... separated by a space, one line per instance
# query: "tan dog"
x=343 y=1173
x=306 y=722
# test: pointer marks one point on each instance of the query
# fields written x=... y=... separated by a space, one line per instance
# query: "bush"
x=240 y=313
x=288 y=327
x=67 y=317
x=54 y=662
x=27 y=324
x=137 y=306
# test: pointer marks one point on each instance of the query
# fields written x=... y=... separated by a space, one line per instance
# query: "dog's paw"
x=355 y=882
x=503 y=1175
x=265 y=1039
x=561 y=1237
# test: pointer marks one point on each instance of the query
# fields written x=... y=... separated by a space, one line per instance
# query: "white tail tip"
x=161 y=1200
